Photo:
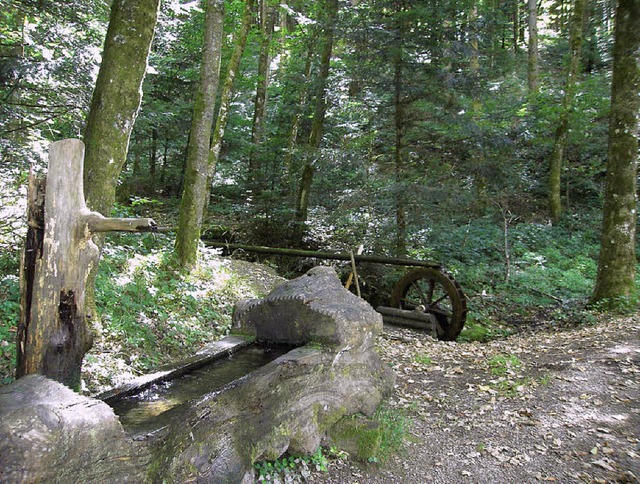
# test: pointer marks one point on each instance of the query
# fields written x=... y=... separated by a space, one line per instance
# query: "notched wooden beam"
x=98 y=223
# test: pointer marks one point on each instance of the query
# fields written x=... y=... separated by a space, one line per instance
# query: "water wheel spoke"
x=424 y=300
x=438 y=301
x=432 y=285
x=439 y=310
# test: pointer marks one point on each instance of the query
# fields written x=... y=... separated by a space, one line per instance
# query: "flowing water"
x=163 y=403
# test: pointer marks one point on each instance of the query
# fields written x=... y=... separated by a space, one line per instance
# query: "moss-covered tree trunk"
x=267 y=23
x=226 y=95
x=196 y=173
x=617 y=263
x=317 y=124
x=115 y=104
x=116 y=98
x=562 y=130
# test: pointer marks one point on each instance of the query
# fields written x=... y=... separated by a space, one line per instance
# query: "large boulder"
x=48 y=433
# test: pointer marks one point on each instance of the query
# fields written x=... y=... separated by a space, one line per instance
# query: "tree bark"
x=297 y=118
x=615 y=282
x=116 y=98
x=532 y=69
x=196 y=175
x=267 y=23
x=115 y=105
x=153 y=161
x=562 y=131
x=400 y=126
x=227 y=87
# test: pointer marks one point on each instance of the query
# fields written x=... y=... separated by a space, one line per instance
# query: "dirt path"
x=555 y=406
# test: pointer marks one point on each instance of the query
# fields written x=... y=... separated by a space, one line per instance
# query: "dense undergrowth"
x=151 y=313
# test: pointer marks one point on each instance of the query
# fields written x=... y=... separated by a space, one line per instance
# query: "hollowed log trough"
x=288 y=404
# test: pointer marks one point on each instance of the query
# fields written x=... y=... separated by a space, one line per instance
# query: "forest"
x=498 y=138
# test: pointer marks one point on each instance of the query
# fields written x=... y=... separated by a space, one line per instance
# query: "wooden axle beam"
x=322 y=255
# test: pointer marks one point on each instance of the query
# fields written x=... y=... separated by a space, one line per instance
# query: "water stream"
x=155 y=407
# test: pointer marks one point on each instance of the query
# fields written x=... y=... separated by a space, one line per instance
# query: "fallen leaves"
x=555 y=404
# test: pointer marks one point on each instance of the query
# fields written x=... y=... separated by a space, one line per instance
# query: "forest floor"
x=552 y=405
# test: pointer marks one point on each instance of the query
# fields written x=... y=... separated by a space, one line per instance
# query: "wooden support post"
x=53 y=334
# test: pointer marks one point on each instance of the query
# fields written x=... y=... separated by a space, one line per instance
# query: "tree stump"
x=53 y=333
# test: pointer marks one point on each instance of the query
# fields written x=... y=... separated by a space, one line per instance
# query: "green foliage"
x=297 y=467
x=502 y=365
x=394 y=427
x=423 y=360
x=9 y=313
x=9 y=316
x=50 y=52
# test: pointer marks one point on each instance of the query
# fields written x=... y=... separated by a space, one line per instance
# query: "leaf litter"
x=550 y=406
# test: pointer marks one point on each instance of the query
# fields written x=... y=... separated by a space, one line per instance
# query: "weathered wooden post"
x=54 y=334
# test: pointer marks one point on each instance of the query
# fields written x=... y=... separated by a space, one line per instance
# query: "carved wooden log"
x=53 y=334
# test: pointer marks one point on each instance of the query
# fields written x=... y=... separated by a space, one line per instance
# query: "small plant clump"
x=292 y=468
x=509 y=383
x=373 y=440
x=502 y=365
x=423 y=360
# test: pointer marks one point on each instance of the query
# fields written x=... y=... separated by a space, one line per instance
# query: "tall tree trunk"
x=115 y=105
x=165 y=160
x=297 y=118
x=267 y=23
x=137 y=155
x=317 y=124
x=615 y=282
x=153 y=161
x=474 y=62
x=516 y=26
x=532 y=69
x=562 y=130
x=227 y=87
x=116 y=98
x=400 y=125
x=196 y=173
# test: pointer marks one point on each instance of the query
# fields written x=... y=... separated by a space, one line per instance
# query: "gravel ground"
x=555 y=406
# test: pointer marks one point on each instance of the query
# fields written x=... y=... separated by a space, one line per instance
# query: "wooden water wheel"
x=433 y=291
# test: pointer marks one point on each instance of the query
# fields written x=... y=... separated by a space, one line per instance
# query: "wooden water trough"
x=427 y=297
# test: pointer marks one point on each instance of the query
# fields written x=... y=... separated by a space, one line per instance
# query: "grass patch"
x=423 y=360
x=502 y=365
x=373 y=440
